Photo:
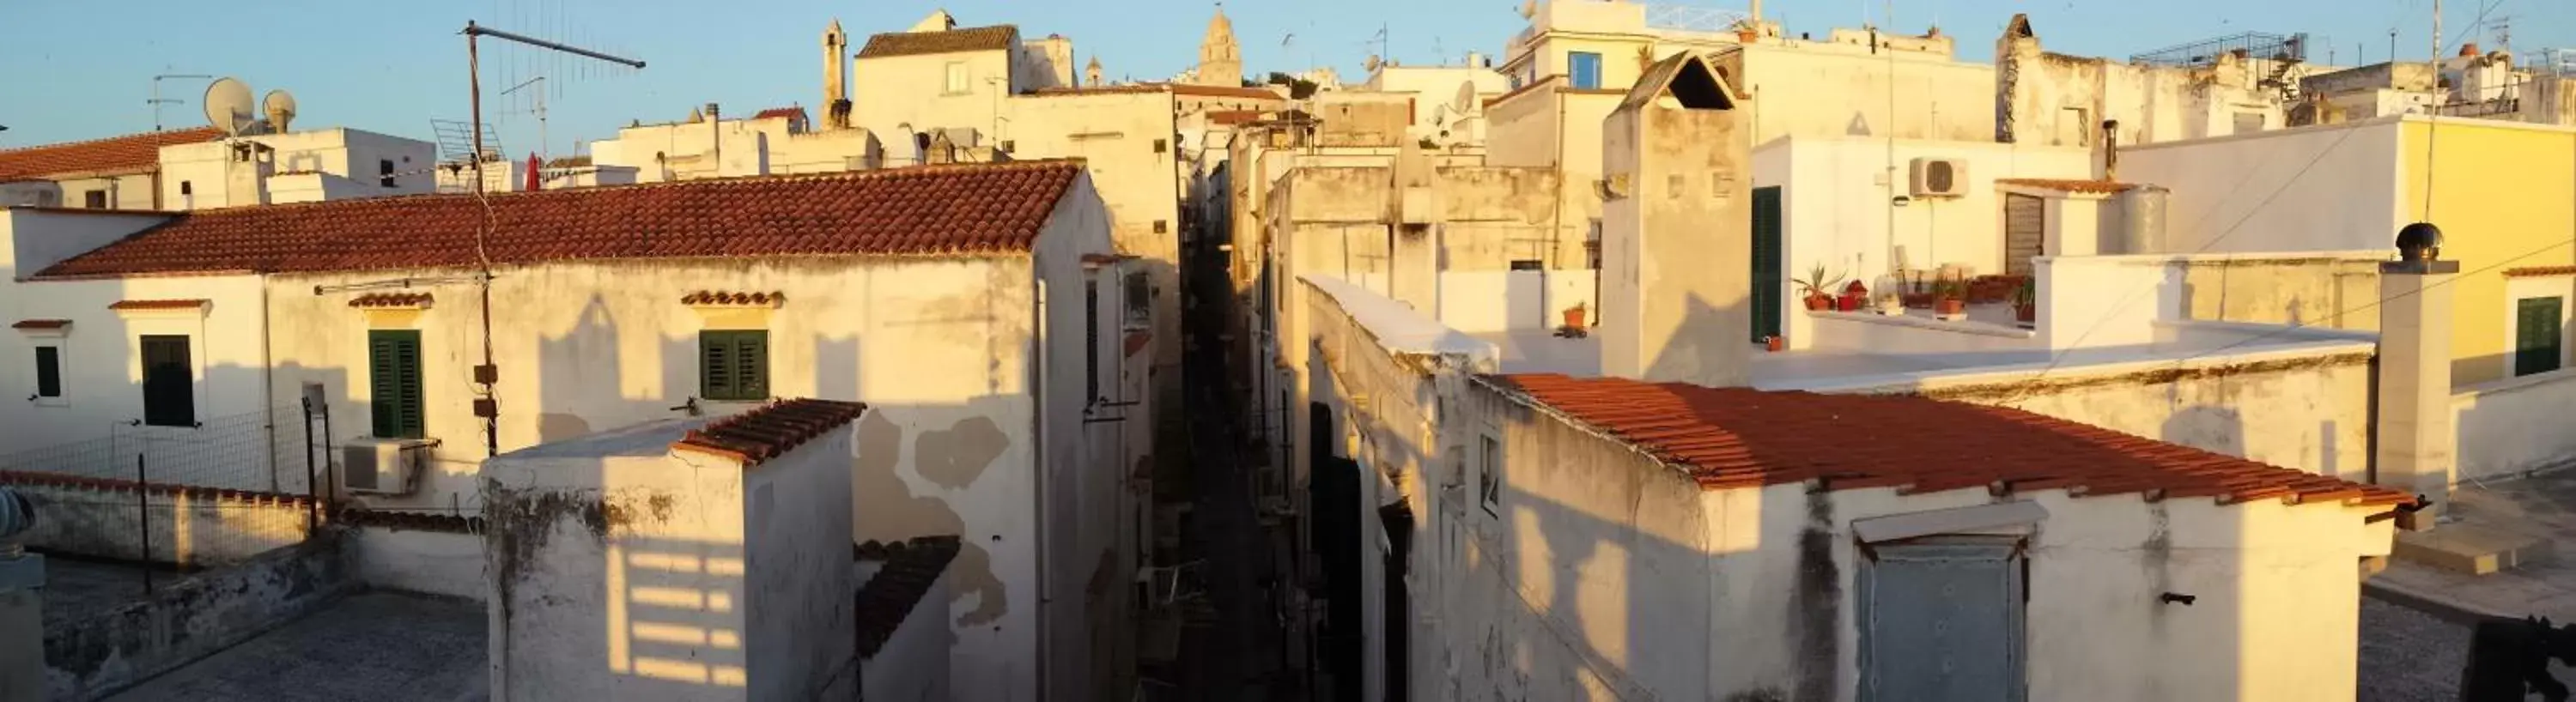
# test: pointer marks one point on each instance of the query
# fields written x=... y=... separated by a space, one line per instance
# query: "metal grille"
x=2256 y=45
x=1692 y=18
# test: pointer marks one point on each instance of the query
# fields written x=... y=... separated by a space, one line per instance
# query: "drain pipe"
x=2111 y=150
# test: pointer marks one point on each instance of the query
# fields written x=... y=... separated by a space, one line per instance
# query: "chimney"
x=2111 y=150
x=715 y=140
x=246 y=171
x=2412 y=449
x=1675 y=167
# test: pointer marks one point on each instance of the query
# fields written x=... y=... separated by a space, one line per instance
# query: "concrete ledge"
x=2467 y=548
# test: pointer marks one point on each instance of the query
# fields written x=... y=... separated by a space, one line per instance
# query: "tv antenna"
x=474 y=34
x=539 y=110
x=156 y=101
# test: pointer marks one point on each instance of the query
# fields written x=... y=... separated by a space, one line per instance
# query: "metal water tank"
x=2142 y=221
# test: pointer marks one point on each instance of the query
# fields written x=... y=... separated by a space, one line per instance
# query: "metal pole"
x=312 y=488
x=474 y=83
x=330 y=478
x=143 y=509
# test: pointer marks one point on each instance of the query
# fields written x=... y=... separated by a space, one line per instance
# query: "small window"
x=1010 y=146
x=733 y=365
x=2538 y=334
x=95 y=199
x=1489 y=483
x=385 y=172
x=1090 y=341
x=956 y=78
x=1161 y=145
x=1161 y=226
x=393 y=383
x=49 y=371
x=169 y=381
x=1583 y=70
x=1140 y=301
x=1525 y=264
x=187 y=188
x=2249 y=122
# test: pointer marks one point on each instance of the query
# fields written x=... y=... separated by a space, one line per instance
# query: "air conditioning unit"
x=382 y=466
x=1939 y=177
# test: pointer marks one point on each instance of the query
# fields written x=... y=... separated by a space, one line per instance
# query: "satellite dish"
x=1372 y=63
x=228 y=106
x=1465 y=102
x=280 y=108
x=1529 y=9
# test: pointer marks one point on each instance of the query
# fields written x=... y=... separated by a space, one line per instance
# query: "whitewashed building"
x=975 y=308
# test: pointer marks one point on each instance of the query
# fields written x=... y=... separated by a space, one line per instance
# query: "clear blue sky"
x=78 y=70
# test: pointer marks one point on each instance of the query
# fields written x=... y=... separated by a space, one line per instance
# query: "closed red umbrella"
x=534 y=180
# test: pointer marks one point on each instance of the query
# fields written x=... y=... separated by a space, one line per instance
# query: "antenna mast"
x=542 y=143
x=474 y=68
x=156 y=101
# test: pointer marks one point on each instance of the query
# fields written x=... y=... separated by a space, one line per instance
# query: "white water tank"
x=2142 y=220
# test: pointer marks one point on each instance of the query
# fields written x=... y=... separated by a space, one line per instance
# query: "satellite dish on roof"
x=1372 y=63
x=1464 y=102
x=279 y=106
x=228 y=106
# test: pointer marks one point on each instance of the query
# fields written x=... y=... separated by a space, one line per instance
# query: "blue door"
x=1583 y=69
x=1941 y=619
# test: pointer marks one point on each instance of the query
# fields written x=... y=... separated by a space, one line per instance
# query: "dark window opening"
x=1697 y=89
x=1161 y=146
x=393 y=384
x=1525 y=264
x=2539 y=335
x=49 y=371
x=187 y=188
x=733 y=364
x=95 y=199
x=1140 y=300
x=385 y=172
x=1161 y=226
x=1090 y=341
x=169 y=382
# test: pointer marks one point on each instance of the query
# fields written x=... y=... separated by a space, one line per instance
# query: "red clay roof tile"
x=390 y=300
x=785 y=112
x=726 y=297
x=132 y=153
x=2091 y=187
x=924 y=210
x=889 y=597
x=1740 y=437
x=993 y=38
x=764 y=433
x=41 y=324
x=79 y=482
x=156 y=304
x=2539 y=271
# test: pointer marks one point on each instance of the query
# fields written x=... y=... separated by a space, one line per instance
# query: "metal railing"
x=1692 y=18
x=261 y=451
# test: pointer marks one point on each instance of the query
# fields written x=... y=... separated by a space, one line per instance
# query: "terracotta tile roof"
x=1136 y=341
x=993 y=38
x=41 y=324
x=889 y=597
x=390 y=300
x=923 y=210
x=723 y=297
x=763 y=434
x=568 y=162
x=1226 y=91
x=156 y=304
x=2094 y=187
x=1233 y=116
x=781 y=112
x=132 y=153
x=2539 y=271
x=1740 y=437
x=77 y=482
x=411 y=521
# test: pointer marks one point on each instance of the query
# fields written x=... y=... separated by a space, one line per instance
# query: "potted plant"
x=1950 y=300
x=1774 y=343
x=1853 y=295
x=1817 y=289
x=1746 y=31
x=1574 y=317
x=2025 y=300
x=1891 y=304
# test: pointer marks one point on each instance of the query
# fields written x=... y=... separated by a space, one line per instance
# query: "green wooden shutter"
x=733 y=365
x=394 y=383
x=169 y=383
x=2538 y=334
x=49 y=371
x=1766 y=263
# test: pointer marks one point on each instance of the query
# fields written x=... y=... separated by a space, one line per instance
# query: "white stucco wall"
x=124 y=192
x=893 y=96
x=348 y=153
x=433 y=562
x=798 y=581
x=102 y=377
x=2514 y=426
x=2325 y=188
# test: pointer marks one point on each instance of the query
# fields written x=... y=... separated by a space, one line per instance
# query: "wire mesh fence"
x=263 y=450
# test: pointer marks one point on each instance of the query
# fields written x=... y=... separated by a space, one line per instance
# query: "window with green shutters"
x=733 y=365
x=49 y=371
x=1767 y=268
x=393 y=382
x=169 y=381
x=2538 y=334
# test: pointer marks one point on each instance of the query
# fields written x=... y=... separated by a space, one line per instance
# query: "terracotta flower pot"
x=1819 y=301
x=2025 y=313
x=1773 y=343
x=1574 y=317
x=1950 y=306
x=1847 y=303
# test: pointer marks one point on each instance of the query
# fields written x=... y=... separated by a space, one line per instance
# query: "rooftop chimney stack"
x=1676 y=201
x=2414 y=447
x=2111 y=150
